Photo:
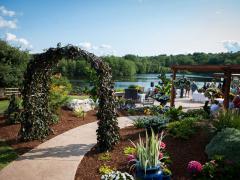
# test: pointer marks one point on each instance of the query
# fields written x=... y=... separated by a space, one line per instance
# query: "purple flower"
x=194 y=167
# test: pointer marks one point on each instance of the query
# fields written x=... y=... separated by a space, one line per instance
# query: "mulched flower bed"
x=67 y=121
x=180 y=151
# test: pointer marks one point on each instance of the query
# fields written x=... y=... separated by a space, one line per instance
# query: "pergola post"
x=227 y=78
x=172 y=98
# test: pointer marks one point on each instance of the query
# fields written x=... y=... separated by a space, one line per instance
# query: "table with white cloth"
x=141 y=97
x=199 y=97
x=220 y=100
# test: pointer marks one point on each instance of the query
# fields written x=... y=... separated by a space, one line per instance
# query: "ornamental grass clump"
x=149 y=154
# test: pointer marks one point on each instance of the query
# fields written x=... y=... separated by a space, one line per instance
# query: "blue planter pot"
x=154 y=173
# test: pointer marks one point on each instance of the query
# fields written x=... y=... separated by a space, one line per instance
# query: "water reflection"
x=145 y=80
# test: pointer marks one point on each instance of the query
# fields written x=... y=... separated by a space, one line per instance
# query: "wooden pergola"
x=228 y=70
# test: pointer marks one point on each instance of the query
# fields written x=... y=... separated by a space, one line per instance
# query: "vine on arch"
x=36 y=116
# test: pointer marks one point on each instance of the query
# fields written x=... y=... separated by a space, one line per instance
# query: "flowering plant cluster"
x=218 y=168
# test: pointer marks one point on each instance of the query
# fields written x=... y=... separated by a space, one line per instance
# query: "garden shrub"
x=152 y=122
x=218 y=169
x=196 y=113
x=12 y=112
x=104 y=169
x=129 y=150
x=105 y=156
x=229 y=118
x=174 y=114
x=182 y=129
x=139 y=123
x=79 y=112
x=225 y=143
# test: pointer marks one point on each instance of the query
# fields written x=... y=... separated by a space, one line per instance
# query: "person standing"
x=193 y=87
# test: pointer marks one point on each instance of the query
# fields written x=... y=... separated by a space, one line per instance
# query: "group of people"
x=234 y=101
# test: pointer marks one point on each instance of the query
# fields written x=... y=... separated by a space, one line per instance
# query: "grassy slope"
x=7 y=154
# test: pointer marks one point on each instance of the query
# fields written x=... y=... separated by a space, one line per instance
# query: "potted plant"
x=148 y=157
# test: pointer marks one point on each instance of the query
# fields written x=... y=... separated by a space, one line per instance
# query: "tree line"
x=13 y=63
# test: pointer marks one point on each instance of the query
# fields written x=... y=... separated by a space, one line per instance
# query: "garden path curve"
x=59 y=157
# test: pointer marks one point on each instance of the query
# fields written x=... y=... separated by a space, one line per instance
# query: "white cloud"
x=105 y=46
x=6 y=12
x=101 y=50
x=231 y=46
x=85 y=45
x=12 y=38
x=12 y=24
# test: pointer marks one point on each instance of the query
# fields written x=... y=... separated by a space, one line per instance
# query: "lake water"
x=145 y=80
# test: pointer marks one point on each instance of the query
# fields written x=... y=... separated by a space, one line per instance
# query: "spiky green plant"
x=148 y=152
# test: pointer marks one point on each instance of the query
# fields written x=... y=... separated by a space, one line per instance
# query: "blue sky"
x=142 y=27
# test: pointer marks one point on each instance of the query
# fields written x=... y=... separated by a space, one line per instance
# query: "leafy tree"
x=13 y=63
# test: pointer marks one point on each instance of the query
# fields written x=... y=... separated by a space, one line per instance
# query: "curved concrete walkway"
x=59 y=157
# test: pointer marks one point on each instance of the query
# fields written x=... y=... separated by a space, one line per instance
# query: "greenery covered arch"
x=36 y=116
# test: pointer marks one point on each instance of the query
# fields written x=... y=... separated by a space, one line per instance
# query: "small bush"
x=196 y=113
x=226 y=119
x=104 y=169
x=129 y=150
x=225 y=143
x=139 y=123
x=151 y=122
x=182 y=129
x=105 y=157
x=12 y=112
x=79 y=112
x=174 y=114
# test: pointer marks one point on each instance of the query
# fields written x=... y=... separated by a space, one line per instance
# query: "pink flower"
x=160 y=156
x=130 y=157
x=194 y=167
x=162 y=145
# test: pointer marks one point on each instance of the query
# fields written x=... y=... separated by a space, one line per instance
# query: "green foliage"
x=152 y=122
x=3 y=106
x=167 y=172
x=59 y=91
x=139 y=123
x=105 y=156
x=174 y=114
x=129 y=150
x=148 y=152
x=219 y=169
x=13 y=111
x=196 y=113
x=104 y=169
x=225 y=143
x=7 y=154
x=182 y=129
x=13 y=63
x=36 y=116
x=79 y=112
x=117 y=175
x=229 y=118
x=131 y=112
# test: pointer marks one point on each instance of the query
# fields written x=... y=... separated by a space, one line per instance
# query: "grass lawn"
x=3 y=106
x=7 y=154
